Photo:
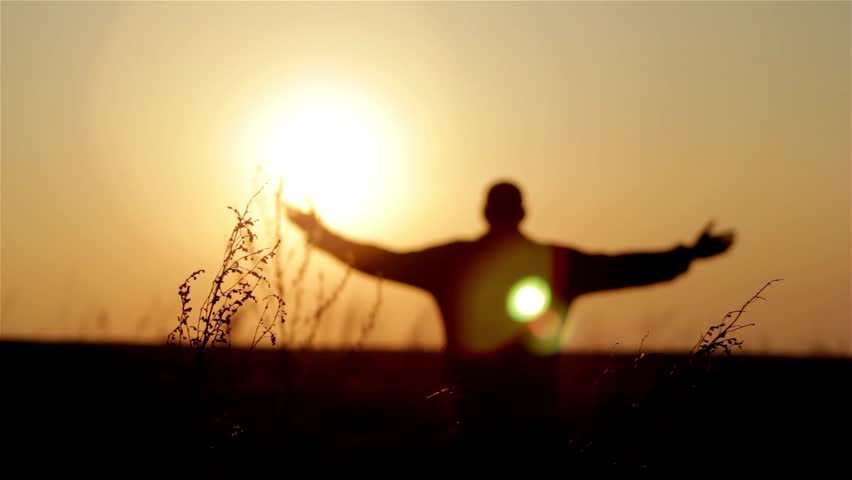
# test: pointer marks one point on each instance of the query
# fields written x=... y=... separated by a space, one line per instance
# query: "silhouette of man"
x=503 y=297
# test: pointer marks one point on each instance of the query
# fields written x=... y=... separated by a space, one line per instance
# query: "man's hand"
x=709 y=245
x=307 y=221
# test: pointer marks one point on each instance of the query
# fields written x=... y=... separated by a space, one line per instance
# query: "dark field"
x=355 y=407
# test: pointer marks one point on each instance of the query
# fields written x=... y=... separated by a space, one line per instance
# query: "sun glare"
x=527 y=299
x=331 y=150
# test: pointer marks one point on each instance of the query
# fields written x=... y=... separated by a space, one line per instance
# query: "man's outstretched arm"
x=590 y=273
x=411 y=267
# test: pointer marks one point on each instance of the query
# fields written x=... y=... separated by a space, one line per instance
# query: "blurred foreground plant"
x=232 y=289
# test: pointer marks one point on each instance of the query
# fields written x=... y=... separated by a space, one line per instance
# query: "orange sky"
x=128 y=127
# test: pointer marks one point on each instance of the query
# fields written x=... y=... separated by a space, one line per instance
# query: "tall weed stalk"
x=233 y=288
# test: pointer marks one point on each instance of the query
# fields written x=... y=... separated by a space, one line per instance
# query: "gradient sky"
x=128 y=127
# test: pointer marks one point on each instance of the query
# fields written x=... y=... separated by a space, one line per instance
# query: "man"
x=503 y=296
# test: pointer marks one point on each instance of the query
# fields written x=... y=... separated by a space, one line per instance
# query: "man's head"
x=504 y=205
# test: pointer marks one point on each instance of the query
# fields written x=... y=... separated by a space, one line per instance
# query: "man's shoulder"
x=443 y=248
x=556 y=247
x=457 y=245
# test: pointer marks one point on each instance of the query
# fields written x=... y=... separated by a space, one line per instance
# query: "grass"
x=232 y=289
x=720 y=337
x=242 y=277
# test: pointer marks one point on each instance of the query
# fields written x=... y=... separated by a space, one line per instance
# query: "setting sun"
x=332 y=151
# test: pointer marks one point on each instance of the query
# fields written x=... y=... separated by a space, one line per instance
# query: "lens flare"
x=528 y=299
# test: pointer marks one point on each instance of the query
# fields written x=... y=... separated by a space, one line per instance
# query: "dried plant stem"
x=215 y=316
x=717 y=337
